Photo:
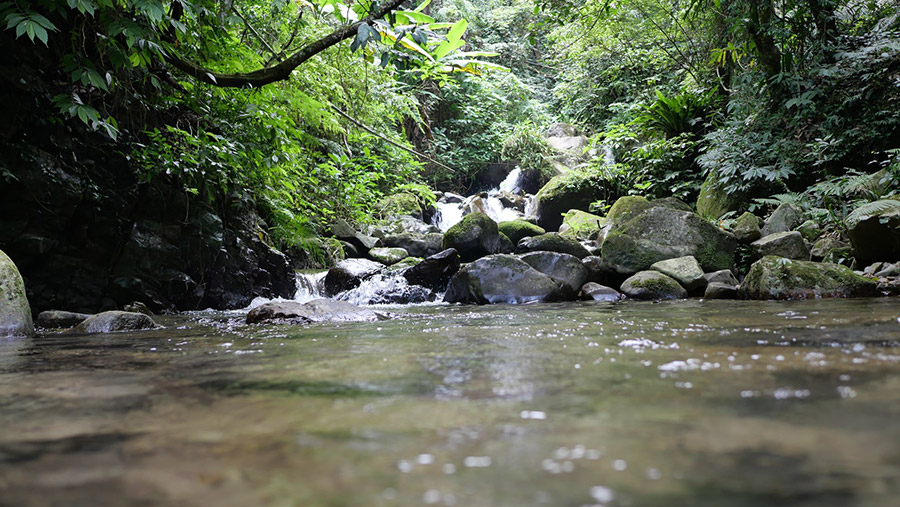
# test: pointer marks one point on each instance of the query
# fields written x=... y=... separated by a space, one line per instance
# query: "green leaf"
x=418 y=17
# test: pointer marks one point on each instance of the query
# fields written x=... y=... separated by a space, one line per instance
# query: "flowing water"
x=686 y=403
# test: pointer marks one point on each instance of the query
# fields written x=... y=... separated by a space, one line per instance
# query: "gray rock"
x=823 y=246
x=417 y=245
x=114 y=321
x=746 y=228
x=435 y=271
x=716 y=290
x=596 y=268
x=566 y=270
x=15 y=314
x=786 y=217
x=889 y=270
x=724 y=276
x=349 y=273
x=406 y=263
x=781 y=244
x=317 y=310
x=474 y=237
x=810 y=230
x=779 y=278
x=592 y=291
x=58 y=319
x=552 y=242
x=344 y=232
x=685 y=270
x=501 y=279
x=388 y=256
x=652 y=285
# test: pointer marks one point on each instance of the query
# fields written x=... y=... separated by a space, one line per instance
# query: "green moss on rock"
x=779 y=278
x=714 y=201
x=653 y=285
x=401 y=203
x=473 y=237
x=518 y=229
x=576 y=189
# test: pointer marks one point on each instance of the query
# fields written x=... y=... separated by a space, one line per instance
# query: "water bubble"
x=602 y=494
x=432 y=496
x=653 y=474
x=424 y=459
x=477 y=461
x=404 y=466
x=620 y=465
x=533 y=414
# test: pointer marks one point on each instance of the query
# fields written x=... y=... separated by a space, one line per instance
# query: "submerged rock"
x=685 y=270
x=781 y=244
x=780 y=278
x=515 y=230
x=474 y=237
x=552 y=242
x=564 y=269
x=317 y=310
x=58 y=319
x=592 y=291
x=114 y=321
x=434 y=272
x=501 y=279
x=652 y=285
x=15 y=314
x=349 y=273
x=786 y=217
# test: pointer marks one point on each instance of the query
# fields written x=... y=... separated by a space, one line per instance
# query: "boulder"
x=714 y=201
x=874 y=232
x=685 y=270
x=515 y=230
x=582 y=225
x=58 y=319
x=388 y=256
x=349 y=273
x=810 y=230
x=592 y=291
x=717 y=290
x=506 y=245
x=400 y=224
x=781 y=244
x=435 y=271
x=576 y=189
x=780 y=278
x=401 y=203
x=640 y=233
x=344 y=232
x=823 y=246
x=15 y=314
x=746 y=228
x=501 y=279
x=416 y=244
x=724 y=276
x=113 y=321
x=406 y=263
x=317 y=310
x=137 y=307
x=566 y=270
x=786 y=217
x=596 y=268
x=474 y=237
x=652 y=285
x=552 y=242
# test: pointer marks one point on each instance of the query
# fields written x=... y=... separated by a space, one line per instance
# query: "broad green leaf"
x=447 y=47
x=418 y=17
x=422 y=6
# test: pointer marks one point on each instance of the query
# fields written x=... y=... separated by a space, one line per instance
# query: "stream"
x=691 y=402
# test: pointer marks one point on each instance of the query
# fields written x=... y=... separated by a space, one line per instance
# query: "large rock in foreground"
x=474 y=237
x=564 y=269
x=642 y=232
x=779 y=278
x=317 y=310
x=15 y=314
x=501 y=279
x=653 y=285
x=115 y=321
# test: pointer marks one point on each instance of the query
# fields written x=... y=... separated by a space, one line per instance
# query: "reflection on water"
x=678 y=403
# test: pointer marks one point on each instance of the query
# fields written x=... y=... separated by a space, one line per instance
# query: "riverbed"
x=701 y=403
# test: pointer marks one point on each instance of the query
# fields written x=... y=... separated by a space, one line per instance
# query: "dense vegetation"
x=319 y=109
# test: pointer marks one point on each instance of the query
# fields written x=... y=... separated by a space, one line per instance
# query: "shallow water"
x=702 y=403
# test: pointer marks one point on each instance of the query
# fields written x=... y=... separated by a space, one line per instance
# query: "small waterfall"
x=309 y=286
x=511 y=182
x=448 y=214
x=490 y=203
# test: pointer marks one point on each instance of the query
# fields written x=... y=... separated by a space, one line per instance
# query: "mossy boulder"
x=506 y=245
x=810 y=230
x=518 y=229
x=552 y=242
x=652 y=285
x=473 y=237
x=781 y=244
x=15 y=314
x=416 y=244
x=401 y=203
x=779 y=278
x=874 y=232
x=824 y=245
x=501 y=279
x=714 y=201
x=747 y=228
x=581 y=225
x=576 y=189
x=641 y=233
x=406 y=263
x=115 y=321
x=388 y=256
x=566 y=270
x=685 y=270
x=786 y=217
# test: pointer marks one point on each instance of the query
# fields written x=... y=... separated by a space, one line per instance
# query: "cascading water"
x=451 y=211
x=309 y=287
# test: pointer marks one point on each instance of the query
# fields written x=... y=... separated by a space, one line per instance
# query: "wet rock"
x=552 y=242
x=575 y=189
x=716 y=290
x=350 y=251
x=582 y=225
x=388 y=256
x=474 y=237
x=724 y=276
x=875 y=236
x=114 y=321
x=436 y=271
x=137 y=307
x=786 y=217
x=317 y=310
x=15 y=314
x=513 y=201
x=652 y=285
x=780 y=278
x=823 y=246
x=417 y=245
x=592 y=291
x=58 y=319
x=685 y=270
x=889 y=270
x=344 y=232
x=506 y=245
x=451 y=198
x=564 y=269
x=596 y=268
x=515 y=230
x=781 y=244
x=501 y=279
x=714 y=201
x=349 y=273
x=640 y=233
x=746 y=228
x=406 y=263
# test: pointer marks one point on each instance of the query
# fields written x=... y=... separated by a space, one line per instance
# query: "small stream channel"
x=692 y=402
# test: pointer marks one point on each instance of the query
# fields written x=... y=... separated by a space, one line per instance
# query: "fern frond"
x=870 y=209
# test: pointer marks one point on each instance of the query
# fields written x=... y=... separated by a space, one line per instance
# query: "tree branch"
x=283 y=69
